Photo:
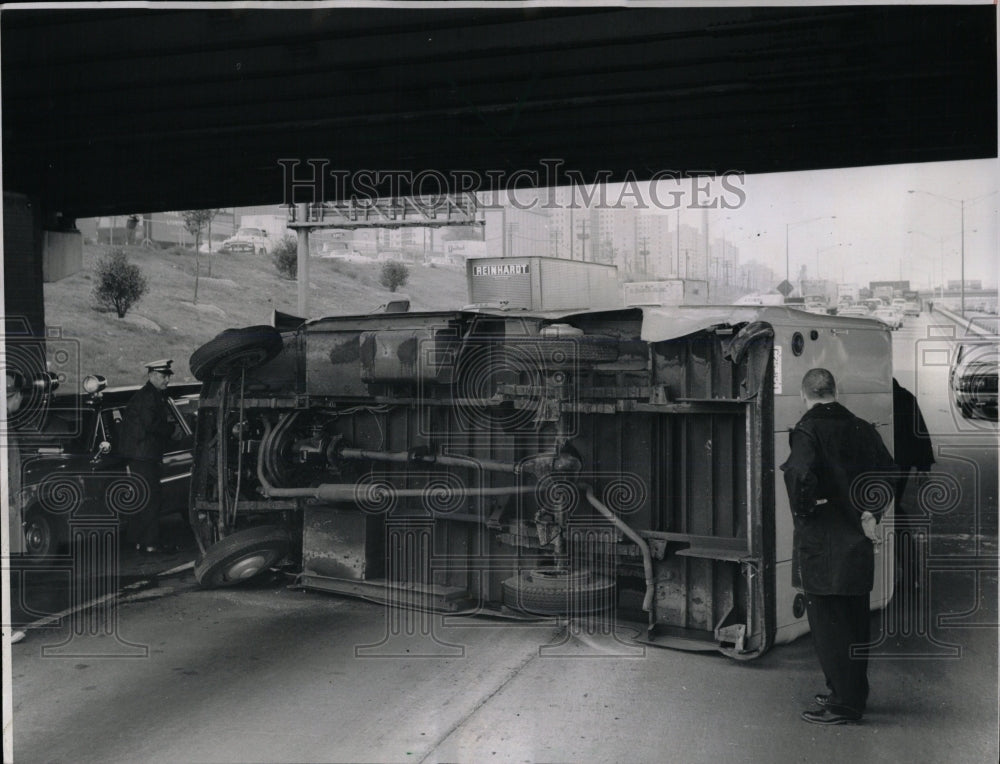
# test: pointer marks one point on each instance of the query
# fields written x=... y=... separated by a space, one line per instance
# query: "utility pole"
x=962 y=313
x=511 y=227
x=555 y=237
x=571 y=230
x=644 y=253
x=503 y=231
x=583 y=236
x=677 y=247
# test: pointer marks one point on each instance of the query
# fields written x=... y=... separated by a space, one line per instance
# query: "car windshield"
x=249 y=232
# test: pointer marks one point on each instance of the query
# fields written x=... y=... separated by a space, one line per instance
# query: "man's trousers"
x=838 y=622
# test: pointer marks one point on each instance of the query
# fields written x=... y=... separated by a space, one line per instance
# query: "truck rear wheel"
x=557 y=591
x=249 y=346
x=241 y=556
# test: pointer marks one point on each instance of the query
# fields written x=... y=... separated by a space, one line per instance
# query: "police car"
x=70 y=472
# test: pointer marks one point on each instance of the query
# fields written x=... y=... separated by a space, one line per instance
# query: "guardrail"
x=963 y=322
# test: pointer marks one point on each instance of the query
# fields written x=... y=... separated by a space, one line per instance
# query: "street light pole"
x=961 y=204
x=962 y=314
x=789 y=226
x=940 y=259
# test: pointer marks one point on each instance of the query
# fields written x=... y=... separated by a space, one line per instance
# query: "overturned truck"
x=546 y=463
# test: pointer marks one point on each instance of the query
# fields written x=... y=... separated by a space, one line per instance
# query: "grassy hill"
x=242 y=291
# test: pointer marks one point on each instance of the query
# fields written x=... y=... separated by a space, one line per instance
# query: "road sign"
x=785 y=288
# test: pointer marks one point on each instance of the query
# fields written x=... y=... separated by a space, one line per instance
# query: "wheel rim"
x=247 y=567
x=249 y=358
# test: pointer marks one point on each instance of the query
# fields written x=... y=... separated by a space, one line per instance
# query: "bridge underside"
x=128 y=110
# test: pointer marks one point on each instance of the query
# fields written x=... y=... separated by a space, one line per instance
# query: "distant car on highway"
x=911 y=309
x=858 y=311
x=70 y=469
x=889 y=317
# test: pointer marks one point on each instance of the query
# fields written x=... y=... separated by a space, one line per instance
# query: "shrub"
x=120 y=284
x=286 y=257
x=393 y=275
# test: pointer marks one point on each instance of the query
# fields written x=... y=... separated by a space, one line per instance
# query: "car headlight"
x=94 y=383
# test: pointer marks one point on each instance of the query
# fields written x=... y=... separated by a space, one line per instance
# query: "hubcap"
x=34 y=537
x=246 y=567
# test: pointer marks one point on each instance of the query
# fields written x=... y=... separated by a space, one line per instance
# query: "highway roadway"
x=265 y=673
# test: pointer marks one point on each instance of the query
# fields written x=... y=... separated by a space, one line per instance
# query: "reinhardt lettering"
x=500 y=270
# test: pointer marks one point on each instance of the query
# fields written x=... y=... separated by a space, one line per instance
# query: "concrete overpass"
x=113 y=111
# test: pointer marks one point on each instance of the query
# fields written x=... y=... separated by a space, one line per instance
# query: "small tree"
x=286 y=257
x=120 y=284
x=394 y=275
x=194 y=222
x=211 y=217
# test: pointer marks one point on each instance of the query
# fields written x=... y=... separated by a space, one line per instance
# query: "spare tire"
x=249 y=346
x=241 y=556
x=555 y=591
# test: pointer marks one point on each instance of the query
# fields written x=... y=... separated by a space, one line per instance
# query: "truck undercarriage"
x=474 y=462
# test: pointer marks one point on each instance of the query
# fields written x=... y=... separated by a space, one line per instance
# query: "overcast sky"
x=871 y=238
x=851 y=224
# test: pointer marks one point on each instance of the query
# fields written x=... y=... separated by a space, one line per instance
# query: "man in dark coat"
x=837 y=500
x=145 y=432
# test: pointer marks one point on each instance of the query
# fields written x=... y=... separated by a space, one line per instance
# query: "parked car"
x=251 y=240
x=70 y=470
x=236 y=246
x=973 y=375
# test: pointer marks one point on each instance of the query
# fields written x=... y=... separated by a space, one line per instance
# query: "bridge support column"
x=303 y=262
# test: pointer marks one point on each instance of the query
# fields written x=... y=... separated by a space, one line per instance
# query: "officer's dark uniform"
x=833 y=559
x=145 y=433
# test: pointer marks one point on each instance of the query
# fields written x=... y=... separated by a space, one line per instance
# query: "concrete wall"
x=24 y=308
x=62 y=254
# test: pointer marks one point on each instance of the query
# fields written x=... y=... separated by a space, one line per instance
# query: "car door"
x=176 y=475
x=177 y=457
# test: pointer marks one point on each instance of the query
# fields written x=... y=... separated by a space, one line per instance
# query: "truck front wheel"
x=249 y=346
x=241 y=556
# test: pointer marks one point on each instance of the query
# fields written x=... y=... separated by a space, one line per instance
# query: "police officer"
x=145 y=432
x=832 y=453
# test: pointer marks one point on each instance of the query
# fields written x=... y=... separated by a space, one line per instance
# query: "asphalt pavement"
x=266 y=672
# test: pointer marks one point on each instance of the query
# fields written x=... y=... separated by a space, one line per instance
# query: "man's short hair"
x=819 y=383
